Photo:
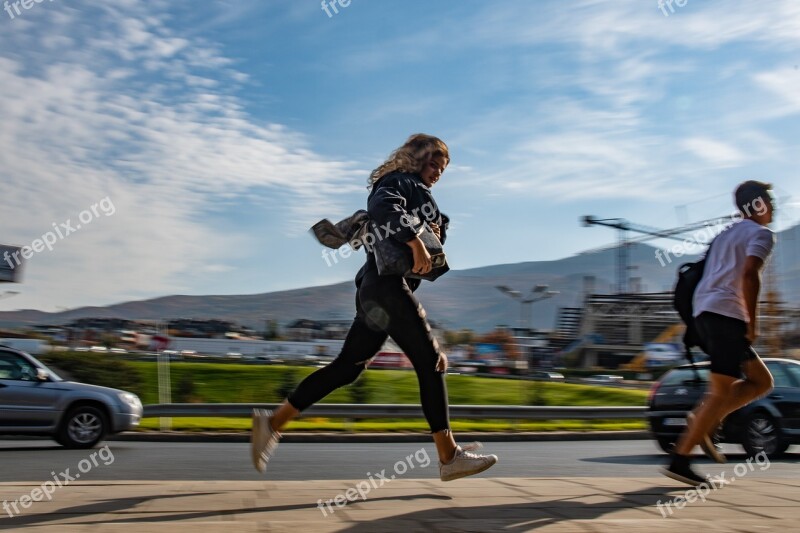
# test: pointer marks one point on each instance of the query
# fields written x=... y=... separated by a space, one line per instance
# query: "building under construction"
x=612 y=330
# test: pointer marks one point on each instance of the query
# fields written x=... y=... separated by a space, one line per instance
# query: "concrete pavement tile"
x=558 y=487
x=753 y=526
x=449 y=525
x=787 y=497
x=674 y=526
x=780 y=513
x=380 y=526
x=784 y=482
x=510 y=513
x=295 y=526
x=494 y=491
x=746 y=499
x=394 y=504
x=545 y=525
x=166 y=527
x=699 y=512
x=594 y=500
x=605 y=513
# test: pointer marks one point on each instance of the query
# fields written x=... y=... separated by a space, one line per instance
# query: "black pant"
x=385 y=306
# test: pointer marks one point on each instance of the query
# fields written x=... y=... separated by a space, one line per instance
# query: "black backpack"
x=689 y=275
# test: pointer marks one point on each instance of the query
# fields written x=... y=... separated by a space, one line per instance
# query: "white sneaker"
x=466 y=463
x=263 y=439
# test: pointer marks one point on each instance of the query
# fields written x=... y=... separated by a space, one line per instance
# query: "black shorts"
x=726 y=343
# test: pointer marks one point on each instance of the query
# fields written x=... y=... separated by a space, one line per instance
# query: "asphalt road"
x=40 y=460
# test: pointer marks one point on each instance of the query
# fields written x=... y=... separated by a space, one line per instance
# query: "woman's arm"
x=422 y=257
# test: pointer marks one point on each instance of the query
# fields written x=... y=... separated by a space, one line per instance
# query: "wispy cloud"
x=119 y=105
x=190 y=117
x=715 y=152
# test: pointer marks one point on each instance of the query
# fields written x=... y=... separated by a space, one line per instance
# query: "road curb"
x=176 y=436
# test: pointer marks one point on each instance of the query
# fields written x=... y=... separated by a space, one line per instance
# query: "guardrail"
x=350 y=410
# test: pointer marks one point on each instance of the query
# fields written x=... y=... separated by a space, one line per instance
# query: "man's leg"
x=708 y=415
x=705 y=417
x=733 y=356
x=757 y=382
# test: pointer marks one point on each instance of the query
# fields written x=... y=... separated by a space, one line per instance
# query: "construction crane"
x=649 y=233
x=773 y=308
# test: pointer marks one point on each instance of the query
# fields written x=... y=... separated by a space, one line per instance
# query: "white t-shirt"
x=720 y=288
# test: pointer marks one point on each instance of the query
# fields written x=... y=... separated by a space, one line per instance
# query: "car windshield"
x=680 y=376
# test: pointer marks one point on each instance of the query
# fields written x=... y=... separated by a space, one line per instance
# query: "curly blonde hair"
x=411 y=157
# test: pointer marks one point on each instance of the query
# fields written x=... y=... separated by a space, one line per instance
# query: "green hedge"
x=95 y=369
x=243 y=383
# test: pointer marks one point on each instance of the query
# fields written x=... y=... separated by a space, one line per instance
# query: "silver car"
x=35 y=401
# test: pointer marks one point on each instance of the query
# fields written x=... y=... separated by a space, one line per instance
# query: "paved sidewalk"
x=406 y=505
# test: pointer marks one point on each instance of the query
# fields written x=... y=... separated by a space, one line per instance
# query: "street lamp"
x=538 y=293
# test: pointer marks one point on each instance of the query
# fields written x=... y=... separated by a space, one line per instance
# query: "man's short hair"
x=751 y=192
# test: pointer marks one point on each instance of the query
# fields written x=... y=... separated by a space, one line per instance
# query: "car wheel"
x=762 y=435
x=666 y=444
x=83 y=427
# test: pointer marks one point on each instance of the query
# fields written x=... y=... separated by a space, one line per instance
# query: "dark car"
x=770 y=424
x=35 y=401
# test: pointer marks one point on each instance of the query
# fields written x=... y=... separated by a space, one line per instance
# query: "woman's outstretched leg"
x=361 y=344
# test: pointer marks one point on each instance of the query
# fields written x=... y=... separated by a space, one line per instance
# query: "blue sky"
x=221 y=130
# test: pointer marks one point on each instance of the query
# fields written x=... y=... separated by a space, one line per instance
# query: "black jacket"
x=393 y=202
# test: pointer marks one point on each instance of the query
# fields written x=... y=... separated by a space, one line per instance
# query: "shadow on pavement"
x=102 y=507
x=511 y=518
x=519 y=516
x=108 y=506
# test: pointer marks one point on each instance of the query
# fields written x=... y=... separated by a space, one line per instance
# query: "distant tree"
x=454 y=338
x=272 y=332
x=109 y=340
x=466 y=336
x=450 y=337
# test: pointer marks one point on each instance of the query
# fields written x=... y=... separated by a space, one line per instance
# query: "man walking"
x=726 y=311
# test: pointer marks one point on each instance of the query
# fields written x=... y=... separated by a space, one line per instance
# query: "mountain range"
x=460 y=299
